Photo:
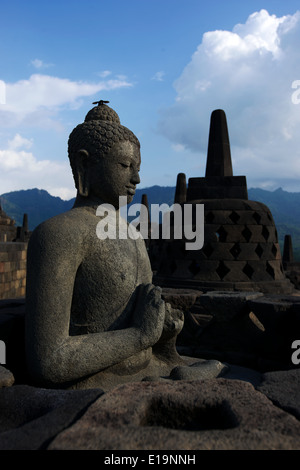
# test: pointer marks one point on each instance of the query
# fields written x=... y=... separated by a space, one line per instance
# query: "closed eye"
x=128 y=165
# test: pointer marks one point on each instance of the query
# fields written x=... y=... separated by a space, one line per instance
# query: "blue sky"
x=164 y=65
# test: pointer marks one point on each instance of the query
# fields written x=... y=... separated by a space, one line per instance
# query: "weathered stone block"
x=6 y=378
x=212 y=414
x=31 y=417
x=224 y=306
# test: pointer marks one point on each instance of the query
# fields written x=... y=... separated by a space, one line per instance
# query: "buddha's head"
x=104 y=157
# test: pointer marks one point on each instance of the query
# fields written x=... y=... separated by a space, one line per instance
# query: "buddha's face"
x=115 y=175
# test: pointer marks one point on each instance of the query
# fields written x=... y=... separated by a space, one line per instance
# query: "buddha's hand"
x=149 y=314
x=174 y=320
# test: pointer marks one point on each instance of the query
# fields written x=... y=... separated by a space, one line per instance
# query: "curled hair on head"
x=98 y=133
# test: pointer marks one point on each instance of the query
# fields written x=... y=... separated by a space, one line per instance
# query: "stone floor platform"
x=242 y=410
x=242 y=407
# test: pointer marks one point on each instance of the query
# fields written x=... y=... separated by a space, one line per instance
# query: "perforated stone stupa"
x=241 y=250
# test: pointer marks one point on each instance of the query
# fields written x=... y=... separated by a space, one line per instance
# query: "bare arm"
x=53 y=355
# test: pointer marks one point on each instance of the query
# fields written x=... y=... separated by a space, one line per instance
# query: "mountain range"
x=39 y=205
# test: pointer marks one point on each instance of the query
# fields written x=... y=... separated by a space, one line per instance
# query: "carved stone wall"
x=12 y=270
x=13 y=253
x=240 y=250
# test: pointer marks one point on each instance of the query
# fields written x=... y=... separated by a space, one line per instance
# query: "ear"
x=82 y=157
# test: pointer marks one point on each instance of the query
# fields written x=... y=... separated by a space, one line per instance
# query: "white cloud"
x=2 y=92
x=248 y=72
x=18 y=142
x=64 y=193
x=122 y=78
x=159 y=76
x=39 y=64
x=38 y=99
x=20 y=169
x=178 y=147
x=104 y=73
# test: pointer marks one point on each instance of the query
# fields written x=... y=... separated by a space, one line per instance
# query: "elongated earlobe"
x=82 y=176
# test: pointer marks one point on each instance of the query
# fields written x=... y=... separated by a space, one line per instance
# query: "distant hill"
x=40 y=205
x=285 y=208
x=37 y=203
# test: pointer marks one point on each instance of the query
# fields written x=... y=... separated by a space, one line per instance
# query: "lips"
x=130 y=190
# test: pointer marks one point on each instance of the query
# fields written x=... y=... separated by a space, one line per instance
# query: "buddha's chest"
x=106 y=282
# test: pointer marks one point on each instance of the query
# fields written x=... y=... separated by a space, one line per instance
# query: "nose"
x=135 y=178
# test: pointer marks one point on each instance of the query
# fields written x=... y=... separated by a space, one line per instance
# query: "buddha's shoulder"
x=71 y=225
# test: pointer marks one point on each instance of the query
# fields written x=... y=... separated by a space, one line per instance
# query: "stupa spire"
x=181 y=189
x=218 y=155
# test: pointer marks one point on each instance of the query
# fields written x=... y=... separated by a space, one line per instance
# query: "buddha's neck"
x=88 y=202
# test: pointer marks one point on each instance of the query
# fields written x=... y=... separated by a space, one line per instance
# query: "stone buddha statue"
x=93 y=316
